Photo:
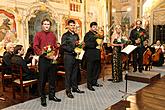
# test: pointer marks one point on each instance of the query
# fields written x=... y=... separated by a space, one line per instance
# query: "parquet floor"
x=151 y=97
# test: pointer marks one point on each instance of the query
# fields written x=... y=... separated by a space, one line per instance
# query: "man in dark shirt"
x=46 y=68
x=93 y=57
x=138 y=36
x=69 y=41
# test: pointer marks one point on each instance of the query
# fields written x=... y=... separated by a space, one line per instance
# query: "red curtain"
x=10 y=15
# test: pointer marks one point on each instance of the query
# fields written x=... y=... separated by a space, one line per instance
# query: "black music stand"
x=127 y=50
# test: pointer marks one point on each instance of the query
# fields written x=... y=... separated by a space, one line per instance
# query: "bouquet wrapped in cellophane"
x=79 y=50
x=51 y=53
x=99 y=41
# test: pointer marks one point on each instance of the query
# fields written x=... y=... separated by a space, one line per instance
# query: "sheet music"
x=128 y=49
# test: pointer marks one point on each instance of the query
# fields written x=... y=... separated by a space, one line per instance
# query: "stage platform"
x=145 y=77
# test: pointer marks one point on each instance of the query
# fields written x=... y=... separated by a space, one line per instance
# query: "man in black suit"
x=6 y=59
x=137 y=36
x=17 y=59
x=93 y=57
x=69 y=41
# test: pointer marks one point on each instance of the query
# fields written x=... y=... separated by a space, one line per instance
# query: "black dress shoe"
x=69 y=94
x=146 y=69
x=43 y=101
x=78 y=91
x=98 y=85
x=140 y=71
x=91 y=88
x=134 y=70
x=55 y=99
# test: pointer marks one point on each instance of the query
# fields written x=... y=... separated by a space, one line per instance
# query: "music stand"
x=127 y=50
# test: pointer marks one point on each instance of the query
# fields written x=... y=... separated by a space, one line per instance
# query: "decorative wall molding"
x=159 y=17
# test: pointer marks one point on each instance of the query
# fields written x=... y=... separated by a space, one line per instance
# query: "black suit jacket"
x=18 y=60
x=91 y=52
x=6 y=62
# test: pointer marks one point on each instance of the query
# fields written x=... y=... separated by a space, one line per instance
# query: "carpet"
x=102 y=98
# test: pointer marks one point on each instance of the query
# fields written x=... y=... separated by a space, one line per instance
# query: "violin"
x=146 y=56
x=156 y=55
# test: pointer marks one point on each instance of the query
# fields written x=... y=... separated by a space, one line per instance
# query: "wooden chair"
x=5 y=76
x=18 y=81
x=60 y=71
x=1 y=98
x=105 y=66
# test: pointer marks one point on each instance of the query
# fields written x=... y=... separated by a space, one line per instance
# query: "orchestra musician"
x=146 y=54
x=157 y=57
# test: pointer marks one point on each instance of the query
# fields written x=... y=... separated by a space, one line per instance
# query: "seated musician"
x=158 y=57
x=146 y=54
x=29 y=54
x=6 y=60
x=17 y=59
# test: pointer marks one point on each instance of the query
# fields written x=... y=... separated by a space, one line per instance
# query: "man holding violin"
x=92 y=56
x=137 y=37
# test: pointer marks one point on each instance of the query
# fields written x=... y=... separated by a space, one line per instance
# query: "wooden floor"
x=151 y=97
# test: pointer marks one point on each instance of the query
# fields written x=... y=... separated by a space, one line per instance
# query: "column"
x=109 y=14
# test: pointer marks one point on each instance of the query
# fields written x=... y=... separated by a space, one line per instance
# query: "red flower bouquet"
x=51 y=53
x=140 y=35
x=48 y=50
